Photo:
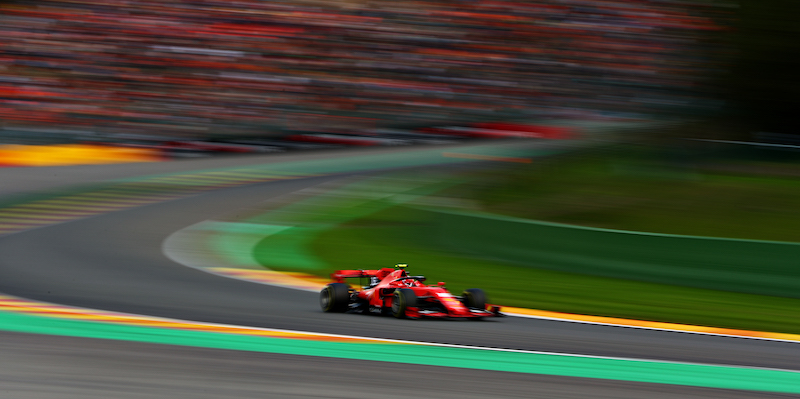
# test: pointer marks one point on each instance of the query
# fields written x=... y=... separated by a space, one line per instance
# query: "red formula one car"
x=393 y=291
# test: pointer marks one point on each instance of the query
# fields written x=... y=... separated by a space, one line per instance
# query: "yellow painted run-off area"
x=73 y=154
x=544 y=314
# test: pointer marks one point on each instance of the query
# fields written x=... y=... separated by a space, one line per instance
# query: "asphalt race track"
x=114 y=261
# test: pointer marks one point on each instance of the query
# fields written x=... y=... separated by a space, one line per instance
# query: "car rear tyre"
x=474 y=298
x=335 y=297
x=403 y=299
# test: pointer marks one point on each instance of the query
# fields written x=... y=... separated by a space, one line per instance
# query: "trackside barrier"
x=748 y=266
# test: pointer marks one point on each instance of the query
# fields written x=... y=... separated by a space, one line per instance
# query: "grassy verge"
x=599 y=189
x=397 y=235
x=648 y=191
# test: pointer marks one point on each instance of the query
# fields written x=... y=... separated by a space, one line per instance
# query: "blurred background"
x=150 y=70
x=680 y=115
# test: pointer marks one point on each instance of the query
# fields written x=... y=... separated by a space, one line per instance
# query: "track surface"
x=36 y=367
x=114 y=262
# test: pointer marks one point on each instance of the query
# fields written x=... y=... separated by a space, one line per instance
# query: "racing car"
x=395 y=292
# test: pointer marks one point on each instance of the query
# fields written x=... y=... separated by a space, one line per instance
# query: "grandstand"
x=200 y=69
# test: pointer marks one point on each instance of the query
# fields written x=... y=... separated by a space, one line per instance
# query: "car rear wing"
x=339 y=275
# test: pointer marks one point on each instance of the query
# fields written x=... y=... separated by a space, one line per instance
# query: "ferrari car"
x=395 y=292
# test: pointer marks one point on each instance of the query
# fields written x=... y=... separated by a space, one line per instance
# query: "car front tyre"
x=474 y=298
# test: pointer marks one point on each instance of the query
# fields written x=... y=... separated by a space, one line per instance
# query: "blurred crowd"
x=194 y=68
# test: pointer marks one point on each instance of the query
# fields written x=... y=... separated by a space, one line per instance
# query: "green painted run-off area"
x=711 y=376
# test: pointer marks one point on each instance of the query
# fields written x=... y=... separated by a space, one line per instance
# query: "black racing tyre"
x=335 y=297
x=403 y=299
x=474 y=298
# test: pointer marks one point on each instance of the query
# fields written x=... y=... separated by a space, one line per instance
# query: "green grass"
x=395 y=235
x=598 y=189
x=635 y=192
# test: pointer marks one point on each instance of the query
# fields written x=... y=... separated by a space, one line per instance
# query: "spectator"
x=190 y=68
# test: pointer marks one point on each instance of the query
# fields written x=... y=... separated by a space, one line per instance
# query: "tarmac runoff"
x=21 y=315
